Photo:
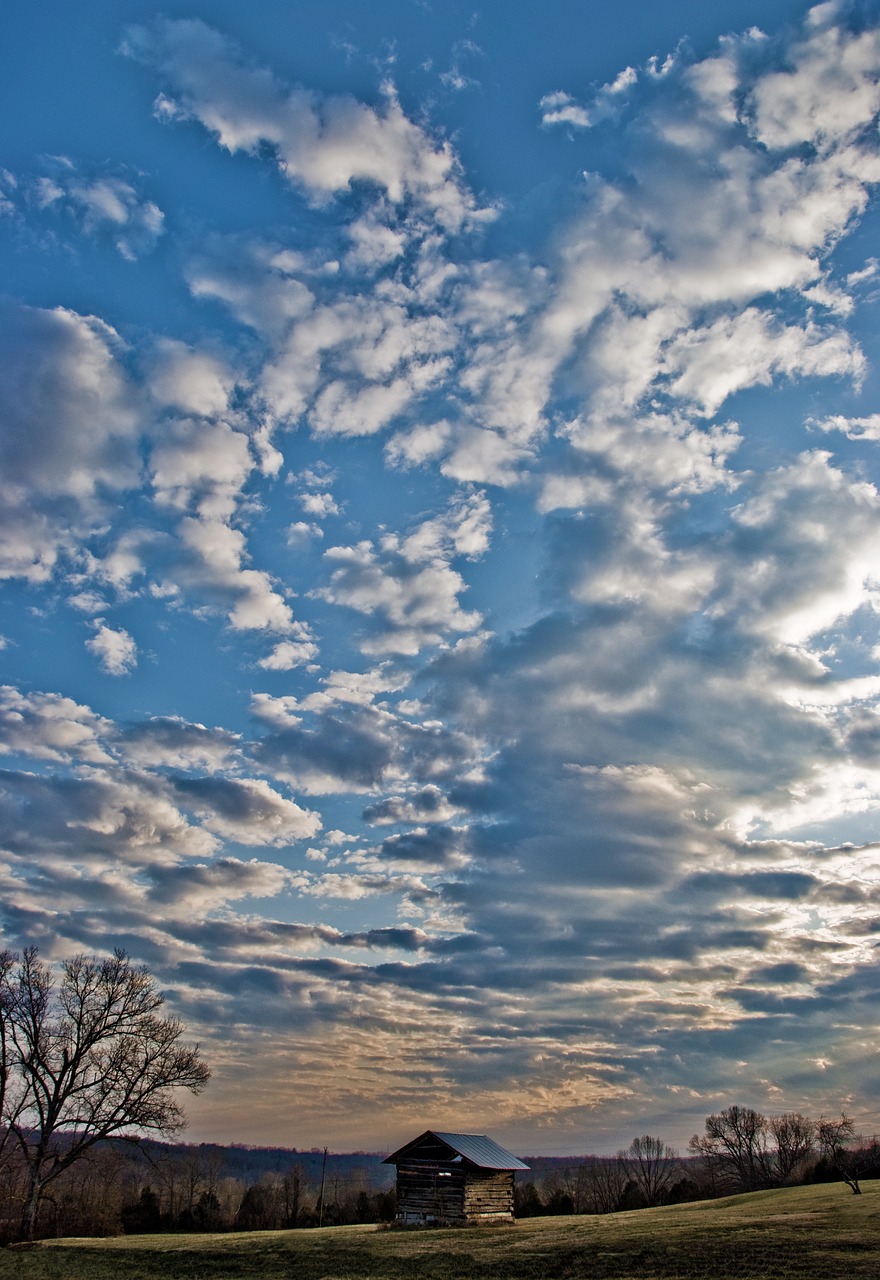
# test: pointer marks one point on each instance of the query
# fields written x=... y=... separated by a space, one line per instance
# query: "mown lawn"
x=817 y=1233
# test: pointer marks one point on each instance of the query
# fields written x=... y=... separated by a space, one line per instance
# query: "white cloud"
x=820 y=544
x=828 y=91
x=714 y=80
x=107 y=817
x=173 y=743
x=115 y=650
x=463 y=529
x=87 y=602
x=657 y=452
x=8 y=192
x=572 y=491
x=482 y=456
x=417 y=603
x=247 y=810
x=374 y=358
x=70 y=427
x=104 y=203
x=191 y=381
x=421 y=444
x=455 y=78
x=201 y=463
x=342 y=410
x=288 y=654
x=280 y=713
x=202 y=466
x=562 y=108
x=323 y=143
x=199 y=887
x=300 y=533
x=708 y=365
x=319 y=504
x=256 y=280
x=374 y=244
x=357 y=688
x=867 y=428
x=216 y=568
x=640 y=278
x=426 y=805
x=126 y=558
x=48 y=726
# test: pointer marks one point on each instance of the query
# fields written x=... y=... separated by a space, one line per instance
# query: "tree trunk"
x=31 y=1207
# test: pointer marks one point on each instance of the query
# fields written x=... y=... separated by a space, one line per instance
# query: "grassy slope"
x=817 y=1233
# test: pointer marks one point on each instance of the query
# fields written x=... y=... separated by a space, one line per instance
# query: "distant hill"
x=252 y=1163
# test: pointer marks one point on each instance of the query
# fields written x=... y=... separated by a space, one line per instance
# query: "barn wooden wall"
x=433 y=1190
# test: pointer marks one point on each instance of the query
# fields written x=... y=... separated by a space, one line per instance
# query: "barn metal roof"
x=475 y=1147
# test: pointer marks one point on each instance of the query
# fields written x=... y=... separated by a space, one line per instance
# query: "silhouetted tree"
x=736 y=1144
x=207 y=1213
x=526 y=1201
x=143 y=1217
x=651 y=1166
x=607 y=1184
x=386 y=1205
x=260 y=1208
x=558 y=1201
x=795 y=1140
x=292 y=1184
x=837 y=1140
x=683 y=1190
x=578 y=1186
x=82 y=1060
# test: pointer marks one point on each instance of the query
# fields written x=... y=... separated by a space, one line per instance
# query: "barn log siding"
x=454 y=1180
x=489 y=1194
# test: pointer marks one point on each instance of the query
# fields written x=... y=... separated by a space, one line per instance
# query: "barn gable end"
x=454 y=1179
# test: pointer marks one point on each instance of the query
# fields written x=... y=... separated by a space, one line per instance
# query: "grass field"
x=818 y=1233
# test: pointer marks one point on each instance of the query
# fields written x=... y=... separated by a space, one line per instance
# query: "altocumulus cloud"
x=533 y=774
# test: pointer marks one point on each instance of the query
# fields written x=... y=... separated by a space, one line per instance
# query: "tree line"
x=742 y=1150
x=137 y=1188
x=739 y=1150
x=148 y=1187
x=648 y=1173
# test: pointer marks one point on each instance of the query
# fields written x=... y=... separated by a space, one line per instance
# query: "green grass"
x=802 y=1233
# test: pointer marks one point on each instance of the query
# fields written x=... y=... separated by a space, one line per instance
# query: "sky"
x=439 y=542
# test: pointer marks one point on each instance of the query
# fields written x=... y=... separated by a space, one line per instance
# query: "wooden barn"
x=454 y=1179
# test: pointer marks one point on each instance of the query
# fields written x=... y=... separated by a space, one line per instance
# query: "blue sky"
x=439 y=540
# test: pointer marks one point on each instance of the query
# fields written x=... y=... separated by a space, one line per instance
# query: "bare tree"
x=83 y=1060
x=576 y=1184
x=608 y=1181
x=651 y=1167
x=794 y=1136
x=292 y=1184
x=835 y=1139
x=707 y=1171
x=736 y=1142
x=12 y=1088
